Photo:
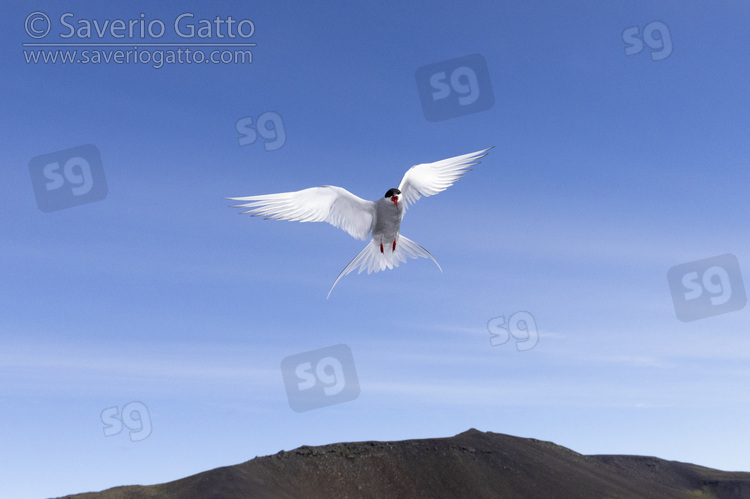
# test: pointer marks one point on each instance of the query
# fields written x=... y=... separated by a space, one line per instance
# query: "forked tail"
x=375 y=260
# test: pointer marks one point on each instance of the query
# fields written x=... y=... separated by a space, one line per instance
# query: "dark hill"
x=472 y=464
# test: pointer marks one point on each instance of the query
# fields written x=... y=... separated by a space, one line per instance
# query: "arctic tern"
x=381 y=219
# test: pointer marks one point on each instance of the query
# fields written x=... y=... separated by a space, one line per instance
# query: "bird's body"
x=387 y=222
x=380 y=220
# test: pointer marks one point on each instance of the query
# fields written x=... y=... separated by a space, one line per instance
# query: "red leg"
x=381 y=246
x=394 y=245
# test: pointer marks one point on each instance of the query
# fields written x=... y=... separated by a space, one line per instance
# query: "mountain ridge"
x=470 y=464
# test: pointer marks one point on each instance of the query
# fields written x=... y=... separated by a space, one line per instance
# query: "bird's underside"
x=379 y=220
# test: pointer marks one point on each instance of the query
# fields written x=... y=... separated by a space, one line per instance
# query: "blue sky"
x=608 y=170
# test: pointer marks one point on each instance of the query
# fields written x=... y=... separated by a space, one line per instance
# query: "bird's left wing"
x=327 y=203
x=431 y=178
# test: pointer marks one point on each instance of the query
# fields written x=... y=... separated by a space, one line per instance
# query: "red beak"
x=395 y=200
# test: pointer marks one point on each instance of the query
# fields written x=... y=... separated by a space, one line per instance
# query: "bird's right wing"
x=428 y=179
x=327 y=203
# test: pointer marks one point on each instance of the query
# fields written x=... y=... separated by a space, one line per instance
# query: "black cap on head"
x=392 y=192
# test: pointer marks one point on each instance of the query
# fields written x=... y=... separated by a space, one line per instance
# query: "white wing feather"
x=431 y=178
x=327 y=203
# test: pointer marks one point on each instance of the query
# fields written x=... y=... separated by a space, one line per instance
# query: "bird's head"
x=393 y=195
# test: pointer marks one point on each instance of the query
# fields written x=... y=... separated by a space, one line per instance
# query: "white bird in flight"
x=381 y=219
